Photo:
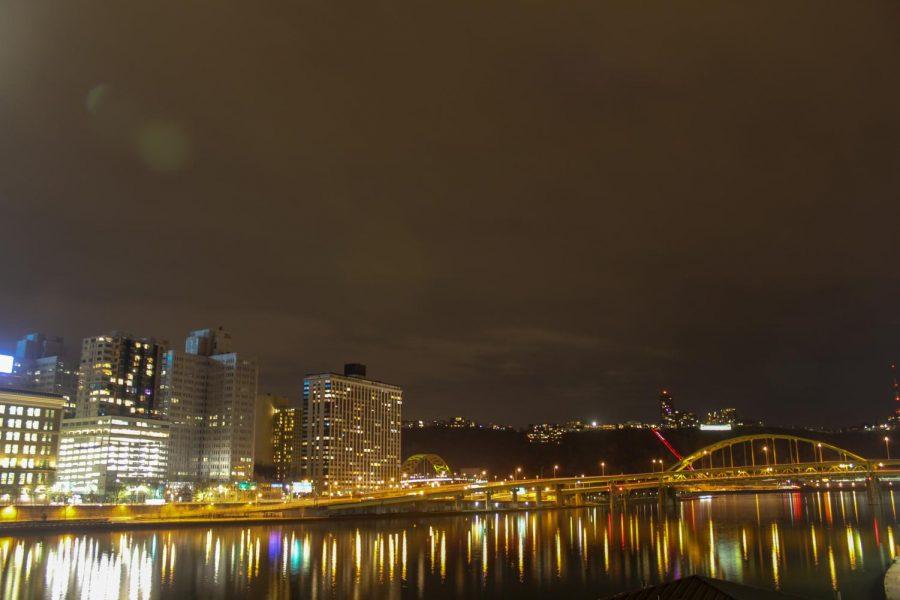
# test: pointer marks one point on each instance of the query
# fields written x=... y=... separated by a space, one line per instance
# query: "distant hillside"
x=623 y=450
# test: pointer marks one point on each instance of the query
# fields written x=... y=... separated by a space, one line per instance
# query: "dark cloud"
x=518 y=211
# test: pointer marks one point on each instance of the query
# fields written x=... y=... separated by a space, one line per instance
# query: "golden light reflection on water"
x=776 y=556
x=814 y=543
x=832 y=570
x=769 y=541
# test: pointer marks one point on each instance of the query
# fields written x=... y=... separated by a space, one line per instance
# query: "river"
x=805 y=544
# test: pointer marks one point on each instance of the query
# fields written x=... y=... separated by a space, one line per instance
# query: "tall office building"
x=351 y=431
x=101 y=457
x=118 y=375
x=208 y=394
x=263 y=430
x=39 y=366
x=29 y=430
x=286 y=443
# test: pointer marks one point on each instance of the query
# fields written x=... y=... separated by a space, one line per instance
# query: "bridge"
x=761 y=461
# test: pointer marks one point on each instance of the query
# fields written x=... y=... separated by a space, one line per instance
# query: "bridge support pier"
x=667 y=499
x=515 y=497
x=873 y=489
x=488 y=499
x=578 y=499
x=458 y=502
x=538 y=497
x=617 y=500
x=559 y=497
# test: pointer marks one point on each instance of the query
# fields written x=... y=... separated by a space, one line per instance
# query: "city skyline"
x=645 y=409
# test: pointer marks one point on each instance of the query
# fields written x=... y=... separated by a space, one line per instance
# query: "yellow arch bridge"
x=762 y=461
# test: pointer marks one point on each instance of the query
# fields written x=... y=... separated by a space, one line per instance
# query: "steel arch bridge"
x=756 y=449
x=425 y=464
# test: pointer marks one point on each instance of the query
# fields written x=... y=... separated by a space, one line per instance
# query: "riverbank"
x=13 y=528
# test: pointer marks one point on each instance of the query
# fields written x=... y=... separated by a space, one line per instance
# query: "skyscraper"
x=286 y=443
x=263 y=457
x=351 y=431
x=208 y=394
x=118 y=375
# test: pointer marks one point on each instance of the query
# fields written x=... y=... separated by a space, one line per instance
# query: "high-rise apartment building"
x=351 y=431
x=286 y=443
x=119 y=375
x=208 y=395
x=29 y=440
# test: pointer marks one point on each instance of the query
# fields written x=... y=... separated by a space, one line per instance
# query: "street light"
x=887 y=448
x=518 y=470
x=555 y=469
x=603 y=468
x=765 y=450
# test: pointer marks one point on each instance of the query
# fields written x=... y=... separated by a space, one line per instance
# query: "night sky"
x=520 y=212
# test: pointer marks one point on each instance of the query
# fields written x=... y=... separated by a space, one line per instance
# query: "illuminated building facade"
x=351 y=432
x=105 y=455
x=722 y=416
x=286 y=443
x=118 y=375
x=29 y=441
x=208 y=394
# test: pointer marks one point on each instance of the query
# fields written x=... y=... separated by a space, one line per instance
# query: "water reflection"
x=812 y=545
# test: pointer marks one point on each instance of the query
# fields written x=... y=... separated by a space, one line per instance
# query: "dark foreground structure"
x=696 y=587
